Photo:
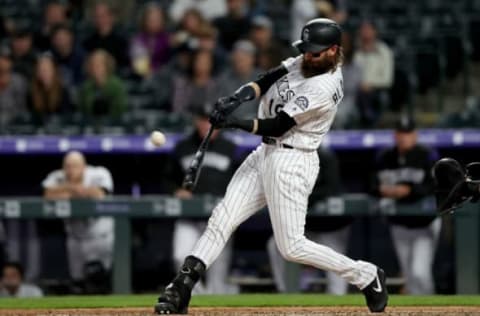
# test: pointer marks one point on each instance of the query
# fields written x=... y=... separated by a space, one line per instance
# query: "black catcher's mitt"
x=454 y=185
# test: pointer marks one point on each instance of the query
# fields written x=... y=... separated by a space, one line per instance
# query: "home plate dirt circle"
x=243 y=311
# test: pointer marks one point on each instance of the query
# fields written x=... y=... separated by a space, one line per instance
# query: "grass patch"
x=245 y=300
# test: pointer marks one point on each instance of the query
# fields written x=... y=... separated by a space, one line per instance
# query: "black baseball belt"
x=272 y=141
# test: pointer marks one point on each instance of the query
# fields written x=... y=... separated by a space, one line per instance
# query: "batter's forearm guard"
x=270 y=77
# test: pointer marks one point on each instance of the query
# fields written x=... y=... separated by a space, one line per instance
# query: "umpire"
x=218 y=168
x=403 y=173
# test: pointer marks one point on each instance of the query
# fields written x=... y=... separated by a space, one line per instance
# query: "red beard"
x=312 y=69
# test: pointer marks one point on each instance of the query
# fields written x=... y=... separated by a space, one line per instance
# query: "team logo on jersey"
x=302 y=102
x=284 y=91
x=306 y=34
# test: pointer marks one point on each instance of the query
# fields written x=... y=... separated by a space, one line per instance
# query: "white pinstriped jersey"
x=312 y=102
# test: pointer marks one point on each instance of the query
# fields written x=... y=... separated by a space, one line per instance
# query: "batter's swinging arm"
x=223 y=108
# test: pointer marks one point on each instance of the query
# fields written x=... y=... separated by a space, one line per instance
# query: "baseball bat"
x=193 y=172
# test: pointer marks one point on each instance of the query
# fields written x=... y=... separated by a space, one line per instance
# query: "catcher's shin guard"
x=176 y=297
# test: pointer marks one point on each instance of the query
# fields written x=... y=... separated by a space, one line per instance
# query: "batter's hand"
x=227 y=105
x=223 y=107
x=217 y=118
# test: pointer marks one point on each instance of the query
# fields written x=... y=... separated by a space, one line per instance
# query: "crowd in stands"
x=109 y=62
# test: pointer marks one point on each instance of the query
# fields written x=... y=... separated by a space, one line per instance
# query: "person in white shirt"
x=209 y=9
x=91 y=239
x=376 y=60
x=12 y=284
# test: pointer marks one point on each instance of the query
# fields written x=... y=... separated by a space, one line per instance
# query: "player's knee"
x=293 y=251
x=289 y=255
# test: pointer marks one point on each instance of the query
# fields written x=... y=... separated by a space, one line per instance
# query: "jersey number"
x=274 y=109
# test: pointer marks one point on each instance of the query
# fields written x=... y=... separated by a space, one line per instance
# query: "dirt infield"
x=242 y=311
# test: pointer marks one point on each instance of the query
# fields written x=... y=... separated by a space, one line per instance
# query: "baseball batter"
x=299 y=100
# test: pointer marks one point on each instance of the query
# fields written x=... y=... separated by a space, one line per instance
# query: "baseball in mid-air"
x=157 y=138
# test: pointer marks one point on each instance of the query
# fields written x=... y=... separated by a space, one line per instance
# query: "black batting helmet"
x=319 y=34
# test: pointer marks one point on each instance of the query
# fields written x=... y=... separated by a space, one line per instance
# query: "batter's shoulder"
x=292 y=63
x=327 y=82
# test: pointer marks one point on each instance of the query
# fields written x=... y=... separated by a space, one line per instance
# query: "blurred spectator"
x=47 y=94
x=468 y=116
x=331 y=231
x=269 y=51
x=55 y=13
x=218 y=167
x=348 y=116
x=163 y=81
x=233 y=26
x=198 y=87
x=206 y=39
x=403 y=173
x=305 y=10
x=13 y=92
x=302 y=12
x=332 y=9
x=241 y=71
x=12 y=284
x=103 y=94
x=187 y=29
x=124 y=9
x=68 y=55
x=376 y=60
x=23 y=53
x=191 y=22
x=89 y=241
x=150 y=48
x=107 y=36
x=198 y=34
x=210 y=9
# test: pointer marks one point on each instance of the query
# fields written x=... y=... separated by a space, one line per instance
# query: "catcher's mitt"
x=454 y=185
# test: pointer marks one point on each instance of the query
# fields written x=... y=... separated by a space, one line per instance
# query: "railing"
x=467 y=221
x=140 y=144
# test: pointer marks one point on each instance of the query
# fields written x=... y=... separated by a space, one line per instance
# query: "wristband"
x=255 y=126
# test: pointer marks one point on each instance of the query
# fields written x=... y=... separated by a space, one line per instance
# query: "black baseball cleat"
x=172 y=302
x=176 y=297
x=376 y=293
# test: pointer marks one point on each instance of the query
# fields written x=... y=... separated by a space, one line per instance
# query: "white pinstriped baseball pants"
x=281 y=179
